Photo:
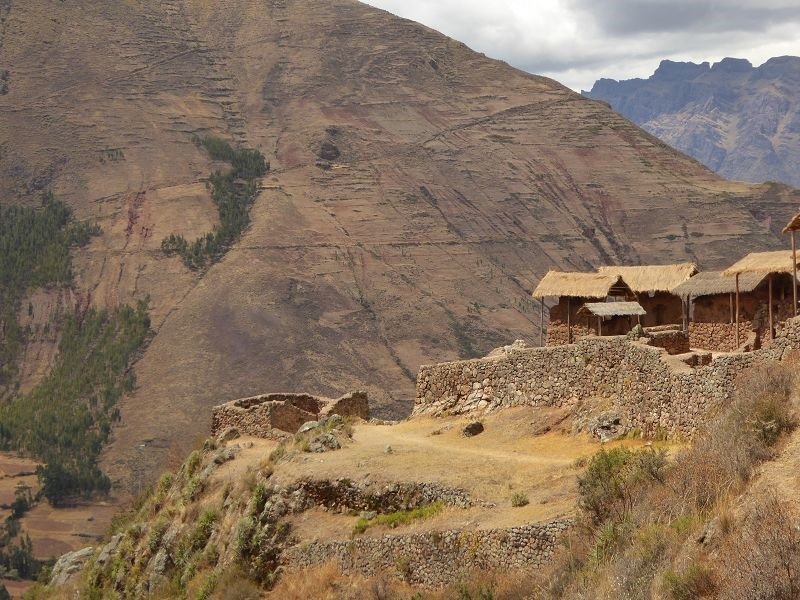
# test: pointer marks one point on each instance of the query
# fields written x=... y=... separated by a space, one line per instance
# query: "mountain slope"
x=418 y=191
x=741 y=121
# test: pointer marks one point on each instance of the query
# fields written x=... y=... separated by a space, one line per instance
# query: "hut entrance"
x=659 y=312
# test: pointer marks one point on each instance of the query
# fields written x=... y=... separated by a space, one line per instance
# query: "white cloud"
x=579 y=41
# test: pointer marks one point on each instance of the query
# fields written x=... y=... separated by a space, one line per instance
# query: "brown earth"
x=53 y=531
x=527 y=450
x=459 y=182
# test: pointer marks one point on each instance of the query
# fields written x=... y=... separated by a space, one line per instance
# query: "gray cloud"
x=633 y=17
x=579 y=41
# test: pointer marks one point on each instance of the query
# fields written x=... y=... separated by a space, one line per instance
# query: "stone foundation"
x=435 y=558
x=276 y=416
x=650 y=390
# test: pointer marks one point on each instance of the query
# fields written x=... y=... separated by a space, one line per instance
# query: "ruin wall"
x=436 y=558
x=652 y=391
x=277 y=416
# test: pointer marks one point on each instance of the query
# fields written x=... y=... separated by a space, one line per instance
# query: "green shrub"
x=519 y=499
x=695 y=581
x=157 y=532
x=401 y=517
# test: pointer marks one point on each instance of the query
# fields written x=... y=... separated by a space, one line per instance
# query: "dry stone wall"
x=436 y=558
x=719 y=337
x=650 y=390
x=276 y=416
x=558 y=333
x=673 y=341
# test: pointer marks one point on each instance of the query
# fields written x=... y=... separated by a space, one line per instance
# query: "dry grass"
x=648 y=547
x=328 y=582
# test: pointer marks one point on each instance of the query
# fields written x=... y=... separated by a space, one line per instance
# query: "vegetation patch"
x=66 y=419
x=34 y=252
x=400 y=517
x=233 y=193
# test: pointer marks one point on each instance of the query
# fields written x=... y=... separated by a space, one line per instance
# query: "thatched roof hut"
x=794 y=224
x=653 y=278
x=581 y=285
x=612 y=309
x=712 y=283
x=764 y=263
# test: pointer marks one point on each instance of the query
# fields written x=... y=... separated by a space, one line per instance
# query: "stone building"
x=612 y=318
x=774 y=293
x=710 y=296
x=653 y=287
x=572 y=291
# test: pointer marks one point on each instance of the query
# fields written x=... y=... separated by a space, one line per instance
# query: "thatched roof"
x=763 y=262
x=653 y=278
x=580 y=285
x=612 y=309
x=794 y=224
x=711 y=283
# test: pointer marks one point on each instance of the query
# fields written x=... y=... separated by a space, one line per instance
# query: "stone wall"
x=651 y=391
x=557 y=333
x=276 y=416
x=718 y=337
x=674 y=341
x=436 y=558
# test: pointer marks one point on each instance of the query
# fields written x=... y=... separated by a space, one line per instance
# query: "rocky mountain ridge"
x=739 y=120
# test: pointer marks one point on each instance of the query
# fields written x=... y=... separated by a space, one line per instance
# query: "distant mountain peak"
x=740 y=120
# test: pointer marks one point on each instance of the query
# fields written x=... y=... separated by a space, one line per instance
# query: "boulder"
x=231 y=433
x=308 y=426
x=607 y=426
x=69 y=564
x=474 y=428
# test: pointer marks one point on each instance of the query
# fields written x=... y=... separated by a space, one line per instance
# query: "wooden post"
x=737 y=311
x=731 y=295
x=770 y=306
x=569 y=324
x=541 y=322
x=685 y=313
x=600 y=326
x=794 y=273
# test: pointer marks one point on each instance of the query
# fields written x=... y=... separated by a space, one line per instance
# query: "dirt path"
x=510 y=456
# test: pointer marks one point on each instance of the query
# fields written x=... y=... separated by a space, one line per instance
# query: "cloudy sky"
x=579 y=41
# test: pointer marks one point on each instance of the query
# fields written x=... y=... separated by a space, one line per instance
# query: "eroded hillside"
x=418 y=191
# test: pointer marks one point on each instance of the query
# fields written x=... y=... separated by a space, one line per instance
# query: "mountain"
x=418 y=191
x=741 y=121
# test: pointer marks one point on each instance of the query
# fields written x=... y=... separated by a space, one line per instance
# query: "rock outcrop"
x=742 y=121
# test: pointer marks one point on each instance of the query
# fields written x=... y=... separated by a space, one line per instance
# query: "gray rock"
x=231 y=433
x=108 y=549
x=157 y=567
x=69 y=564
x=607 y=426
x=334 y=420
x=308 y=426
x=323 y=443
